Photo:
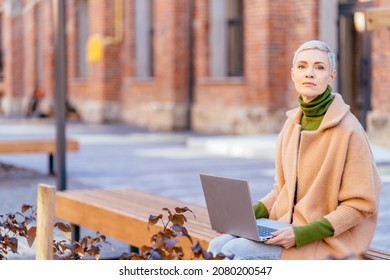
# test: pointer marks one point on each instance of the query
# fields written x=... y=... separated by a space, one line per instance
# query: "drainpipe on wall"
x=118 y=37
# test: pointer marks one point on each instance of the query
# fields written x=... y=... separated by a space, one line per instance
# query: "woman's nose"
x=309 y=73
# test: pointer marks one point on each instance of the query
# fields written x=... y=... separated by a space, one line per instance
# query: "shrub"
x=164 y=243
x=77 y=250
x=14 y=226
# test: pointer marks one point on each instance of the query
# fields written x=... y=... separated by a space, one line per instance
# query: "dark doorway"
x=355 y=57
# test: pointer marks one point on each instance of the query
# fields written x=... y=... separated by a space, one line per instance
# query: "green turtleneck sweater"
x=313 y=113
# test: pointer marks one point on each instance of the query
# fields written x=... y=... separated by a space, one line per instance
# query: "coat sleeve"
x=360 y=186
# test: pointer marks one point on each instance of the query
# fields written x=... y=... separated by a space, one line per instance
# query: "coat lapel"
x=292 y=142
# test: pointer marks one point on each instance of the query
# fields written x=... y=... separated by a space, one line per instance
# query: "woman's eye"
x=301 y=67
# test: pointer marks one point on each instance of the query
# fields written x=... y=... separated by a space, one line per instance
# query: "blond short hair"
x=315 y=44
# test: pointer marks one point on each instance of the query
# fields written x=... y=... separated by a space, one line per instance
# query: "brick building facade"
x=215 y=66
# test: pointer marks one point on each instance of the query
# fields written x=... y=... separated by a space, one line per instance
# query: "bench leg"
x=51 y=164
x=75 y=232
x=134 y=249
x=76 y=237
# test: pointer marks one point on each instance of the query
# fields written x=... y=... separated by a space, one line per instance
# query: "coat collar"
x=336 y=112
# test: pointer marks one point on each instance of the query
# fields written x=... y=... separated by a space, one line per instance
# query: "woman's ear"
x=332 y=76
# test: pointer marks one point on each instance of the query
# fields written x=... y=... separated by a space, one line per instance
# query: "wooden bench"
x=123 y=214
x=48 y=146
x=376 y=254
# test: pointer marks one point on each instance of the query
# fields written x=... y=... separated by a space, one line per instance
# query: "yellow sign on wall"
x=378 y=18
x=95 y=46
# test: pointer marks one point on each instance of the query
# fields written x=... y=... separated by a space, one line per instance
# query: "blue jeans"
x=237 y=248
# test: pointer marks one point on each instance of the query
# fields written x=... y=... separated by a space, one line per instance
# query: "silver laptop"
x=230 y=209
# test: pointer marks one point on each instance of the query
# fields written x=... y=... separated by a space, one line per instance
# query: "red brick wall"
x=381 y=66
x=164 y=52
x=128 y=43
x=303 y=26
x=200 y=32
x=111 y=80
x=379 y=118
x=13 y=53
x=20 y=45
x=75 y=88
x=167 y=91
x=29 y=64
x=180 y=78
x=268 y=46
x=257 y=53
x=273 y=29
x=100 y=22
x=97 y=97
x=30 y=48
x=278 y=64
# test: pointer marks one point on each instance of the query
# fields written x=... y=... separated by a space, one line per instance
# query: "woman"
x=326 y=184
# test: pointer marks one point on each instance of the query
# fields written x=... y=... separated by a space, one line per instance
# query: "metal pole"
x=60 y=93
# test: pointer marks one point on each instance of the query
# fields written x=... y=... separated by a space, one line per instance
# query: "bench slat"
x=128 y=201
x=34 y=146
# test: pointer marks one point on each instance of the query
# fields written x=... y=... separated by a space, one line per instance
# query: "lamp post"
x=60 y=93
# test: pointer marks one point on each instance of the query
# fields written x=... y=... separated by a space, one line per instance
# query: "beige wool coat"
x=336 y=178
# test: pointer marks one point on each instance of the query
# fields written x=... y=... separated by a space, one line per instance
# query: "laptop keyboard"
x=265 y=231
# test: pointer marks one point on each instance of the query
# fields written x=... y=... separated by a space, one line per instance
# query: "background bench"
x=123 y=214
x=36 y=146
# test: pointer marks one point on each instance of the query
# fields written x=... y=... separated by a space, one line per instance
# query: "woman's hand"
x=284 y=237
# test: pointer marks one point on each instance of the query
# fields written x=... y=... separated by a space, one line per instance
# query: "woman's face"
x=311 y=73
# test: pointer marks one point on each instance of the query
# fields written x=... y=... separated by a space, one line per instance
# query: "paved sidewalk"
x=160 y=162
x=259 y=146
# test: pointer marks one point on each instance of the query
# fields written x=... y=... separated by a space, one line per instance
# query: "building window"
x=226 y=38
x=144 y=38
x=235 y=38
x=82 y=37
